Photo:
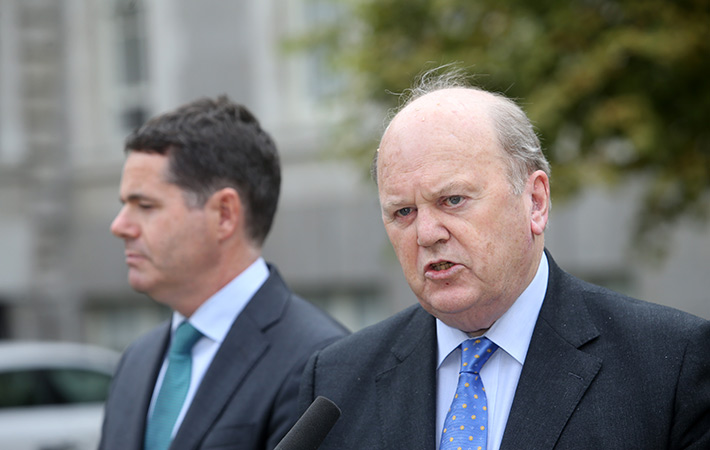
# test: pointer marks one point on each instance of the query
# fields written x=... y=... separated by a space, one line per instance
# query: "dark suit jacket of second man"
x=247 y=398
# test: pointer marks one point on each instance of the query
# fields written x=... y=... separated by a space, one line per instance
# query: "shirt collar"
x=215 y=316
x=513 y=330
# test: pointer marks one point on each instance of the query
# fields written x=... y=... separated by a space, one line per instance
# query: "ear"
x=225 y=207
x=539 y=191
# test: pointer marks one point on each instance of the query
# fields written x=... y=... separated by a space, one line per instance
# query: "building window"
x=131 y=63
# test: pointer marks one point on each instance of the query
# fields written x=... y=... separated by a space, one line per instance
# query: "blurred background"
x=617 y=89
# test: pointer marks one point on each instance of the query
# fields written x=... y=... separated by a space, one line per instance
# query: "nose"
x=122 y=226
x=430 y=230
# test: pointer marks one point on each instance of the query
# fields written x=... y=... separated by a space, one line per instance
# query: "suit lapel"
x=556 y=374
x=411 y=371
x=235 y=358
x=149 y=357
x=241 y=349
x=550 y=386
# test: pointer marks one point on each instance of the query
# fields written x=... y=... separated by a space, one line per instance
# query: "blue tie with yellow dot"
x=466 y=424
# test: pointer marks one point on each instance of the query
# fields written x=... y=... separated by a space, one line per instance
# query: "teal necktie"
x=173 y=390
x=466 y=424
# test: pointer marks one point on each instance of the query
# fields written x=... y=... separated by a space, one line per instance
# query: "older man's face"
x=464 y=240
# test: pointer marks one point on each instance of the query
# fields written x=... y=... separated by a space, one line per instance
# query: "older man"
x=505 y=350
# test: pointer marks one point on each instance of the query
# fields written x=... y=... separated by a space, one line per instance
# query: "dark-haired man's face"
x=168 y=244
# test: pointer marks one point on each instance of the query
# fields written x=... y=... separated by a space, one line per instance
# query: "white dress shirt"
x=500 y=375
x=213 y=319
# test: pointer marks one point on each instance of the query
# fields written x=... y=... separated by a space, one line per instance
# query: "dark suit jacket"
x=247 y=398
x=603 y=371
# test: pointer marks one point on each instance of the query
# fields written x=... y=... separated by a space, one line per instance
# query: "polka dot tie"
x=173 y=390
x=466 y=424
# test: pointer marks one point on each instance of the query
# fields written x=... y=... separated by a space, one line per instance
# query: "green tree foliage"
x=614 y=87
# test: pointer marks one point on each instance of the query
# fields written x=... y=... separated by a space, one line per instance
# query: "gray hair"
x=513 y=129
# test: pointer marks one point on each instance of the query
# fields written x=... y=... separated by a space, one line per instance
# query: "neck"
x=225 y=271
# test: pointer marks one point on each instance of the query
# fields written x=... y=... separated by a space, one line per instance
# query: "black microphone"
x=311 y=429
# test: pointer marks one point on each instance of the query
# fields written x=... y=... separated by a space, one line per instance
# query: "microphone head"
x=312 y=427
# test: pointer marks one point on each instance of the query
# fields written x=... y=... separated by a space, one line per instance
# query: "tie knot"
x=184 y=338
x=475 y=352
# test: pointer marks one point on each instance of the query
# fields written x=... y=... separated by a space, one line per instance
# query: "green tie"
x=173 y=390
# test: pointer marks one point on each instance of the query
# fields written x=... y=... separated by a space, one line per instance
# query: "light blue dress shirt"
x=500 y=375
x=214 y=319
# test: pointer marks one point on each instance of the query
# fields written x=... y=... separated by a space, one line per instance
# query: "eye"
x=453 y=200
x=404 y=212
x=145 y=205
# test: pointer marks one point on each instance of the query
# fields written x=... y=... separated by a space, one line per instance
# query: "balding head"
x=468 y=106
x=465 y=215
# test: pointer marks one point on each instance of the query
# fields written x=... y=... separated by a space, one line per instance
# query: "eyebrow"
x=394 y=205
x=452 y=187
x=137 y=197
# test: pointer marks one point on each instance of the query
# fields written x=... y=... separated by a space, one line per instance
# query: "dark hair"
x=515 y=133
x=214 y=144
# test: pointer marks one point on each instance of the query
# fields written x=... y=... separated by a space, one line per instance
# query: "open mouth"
x=442 y=265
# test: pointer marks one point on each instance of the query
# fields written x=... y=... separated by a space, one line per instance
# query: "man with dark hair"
x=199 y=191
x=505 y=350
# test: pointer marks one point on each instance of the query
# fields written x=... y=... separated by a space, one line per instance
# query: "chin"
x=468 y=323
x=139 y=284
x=451 y=300
x=445 y=308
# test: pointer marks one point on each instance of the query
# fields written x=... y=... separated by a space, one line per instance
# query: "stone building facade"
x=77 y=75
